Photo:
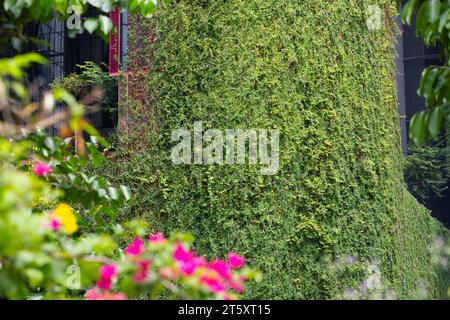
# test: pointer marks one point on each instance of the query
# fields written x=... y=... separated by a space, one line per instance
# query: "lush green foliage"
x=14 y=15
x=315 y=71
x=90 y=78
x=40 y=175
x=39 y=259
x=433 y=25
x=311 y=69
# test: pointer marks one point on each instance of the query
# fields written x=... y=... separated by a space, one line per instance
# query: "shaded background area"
x=64 y=54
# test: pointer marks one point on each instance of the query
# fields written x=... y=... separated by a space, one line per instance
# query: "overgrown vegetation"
x=313 y=70
x=47 y=249
x=96 y=89
x=90 y=77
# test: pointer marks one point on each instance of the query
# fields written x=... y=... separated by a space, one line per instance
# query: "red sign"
x=114 y=43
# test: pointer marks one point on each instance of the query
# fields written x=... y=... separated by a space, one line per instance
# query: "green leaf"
x=34 y=276
x=442 y=82
x=443 y=20
x=19 y=89
x=114 y=195
x=407 y=11
x=107 y=6
x=17 y=43
x=60 y=6
x=50 y=144
x=96 y=156
x=104 y=5
x=147 y=8
x=126 y=192
x=423 y=78
x=418 y=132
x=105 y=24
x=429 y=81
x=14 y=6
x=62 y=95
x=91 y=25
x=95 y=3
x=132 y=6
x=433 y=10
x=435 y=121
x=8 y=4
x=109 y=212
x=421 y=19
x=45 y=9
x=25 y=60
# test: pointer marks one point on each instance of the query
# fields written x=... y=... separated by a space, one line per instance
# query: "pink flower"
x=104 y=283
x=187 y=261
x=235 y=261
x=54 y=224
x=157 y=238
x=212 y=283
x=142 y=272
x=107 y=273
x=181 y=254
x=136 y=247
x=189 y=267
x=42 y=169
x=221 y=268
x=94 y=294
x=199 y=262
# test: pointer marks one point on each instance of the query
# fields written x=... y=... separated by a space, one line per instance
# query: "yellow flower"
x=65 y=216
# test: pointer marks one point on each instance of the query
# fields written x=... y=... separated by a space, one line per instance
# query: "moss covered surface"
x=313 y=70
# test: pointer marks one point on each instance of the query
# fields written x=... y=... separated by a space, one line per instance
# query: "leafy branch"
x=433 y=25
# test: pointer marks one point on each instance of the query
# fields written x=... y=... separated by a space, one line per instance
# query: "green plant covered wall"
x=314 y=70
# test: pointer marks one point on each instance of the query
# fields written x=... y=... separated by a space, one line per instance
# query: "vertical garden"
x=315 y=71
